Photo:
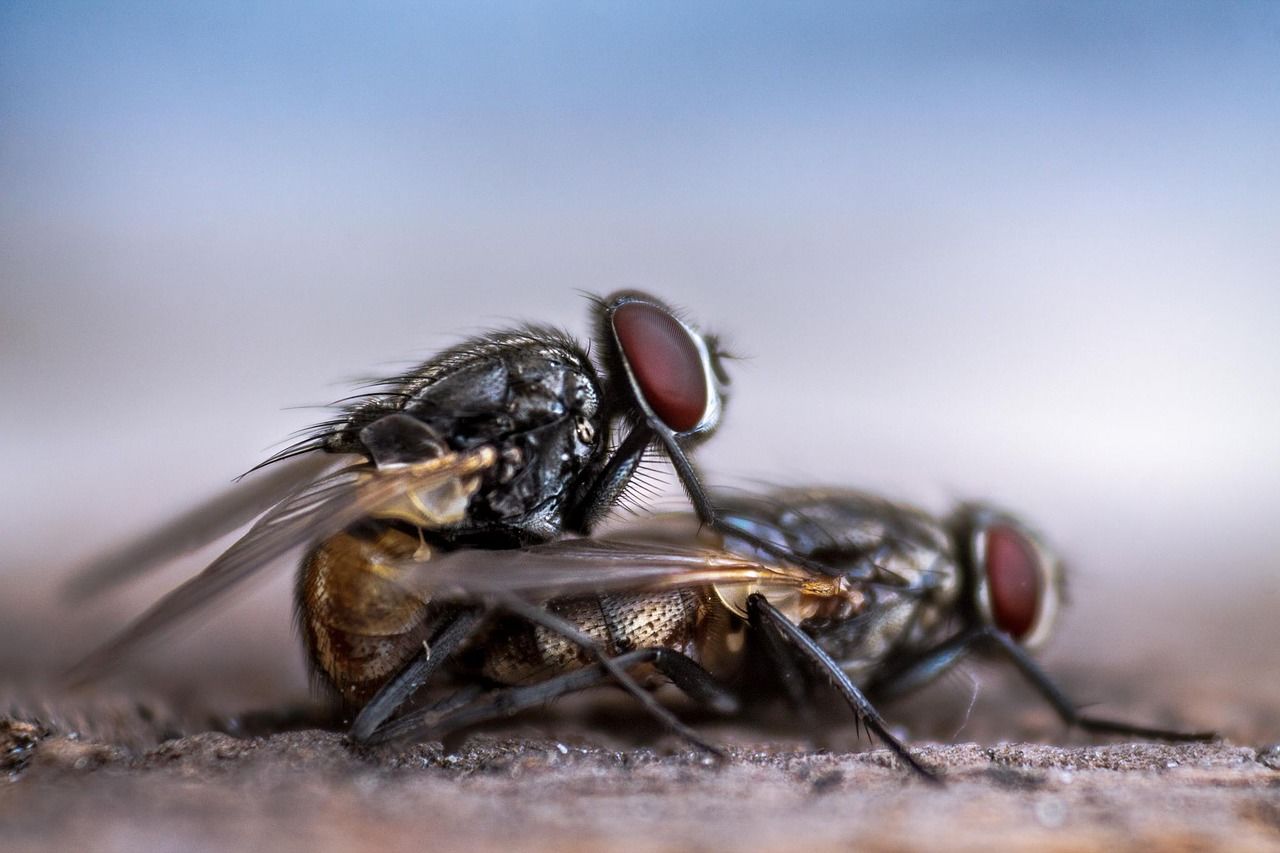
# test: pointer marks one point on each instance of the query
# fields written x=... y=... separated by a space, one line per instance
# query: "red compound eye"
x=665 y=361
x=1014 y=578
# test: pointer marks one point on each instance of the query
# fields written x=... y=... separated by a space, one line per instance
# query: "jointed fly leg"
x=786 y=669
x=765 y=617
x=392 y=696
x=947 y=654
x=685 y=673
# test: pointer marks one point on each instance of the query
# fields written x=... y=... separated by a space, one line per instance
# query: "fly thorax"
x=551 y=428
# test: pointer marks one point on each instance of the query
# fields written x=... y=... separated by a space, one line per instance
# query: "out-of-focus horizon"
x=1025 y=252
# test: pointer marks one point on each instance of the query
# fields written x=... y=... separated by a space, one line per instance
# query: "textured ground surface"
x=120 y=769
x=308 y=791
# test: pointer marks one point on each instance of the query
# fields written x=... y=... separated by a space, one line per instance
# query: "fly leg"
x=787 y=670
x=684 y=672
x=608 y=482
x=460 y=698
x=696 y=683
x=500 y=703
x=765 y=617
x=942 y=657
x=393 y=695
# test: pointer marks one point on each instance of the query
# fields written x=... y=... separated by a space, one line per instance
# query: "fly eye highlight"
x=668 y=362
x=1015 y=580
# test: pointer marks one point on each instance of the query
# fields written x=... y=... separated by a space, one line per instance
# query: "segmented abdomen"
x=516 y=652
x=360 y=627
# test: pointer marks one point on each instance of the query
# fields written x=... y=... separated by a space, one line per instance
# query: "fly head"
x=1014 y=580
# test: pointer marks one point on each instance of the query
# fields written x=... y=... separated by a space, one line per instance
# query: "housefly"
x=906 y=595
x=504 y=441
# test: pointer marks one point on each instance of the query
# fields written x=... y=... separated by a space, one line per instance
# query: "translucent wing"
x=199 y=526
x=431 y=494
x=580 y=566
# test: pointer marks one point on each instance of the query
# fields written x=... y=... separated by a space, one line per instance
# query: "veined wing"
x=582 y=566
x=432 y=493
x=223 y=514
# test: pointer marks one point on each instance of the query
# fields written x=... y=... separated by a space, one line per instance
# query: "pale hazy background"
x=1022 y=251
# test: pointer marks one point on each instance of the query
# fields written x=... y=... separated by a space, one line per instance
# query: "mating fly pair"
x=434 y=511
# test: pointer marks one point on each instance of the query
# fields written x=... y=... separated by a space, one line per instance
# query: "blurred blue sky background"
x=1027 y=251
